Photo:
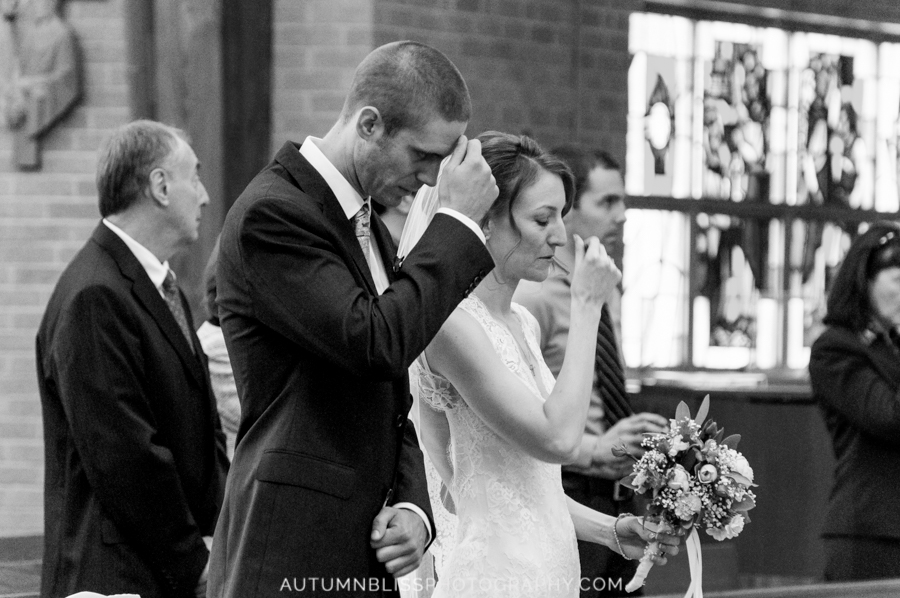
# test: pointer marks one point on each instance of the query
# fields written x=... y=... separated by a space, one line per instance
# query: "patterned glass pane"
x=737 y=113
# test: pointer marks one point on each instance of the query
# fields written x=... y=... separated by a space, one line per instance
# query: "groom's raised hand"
x=466 y=184
x=398 y=537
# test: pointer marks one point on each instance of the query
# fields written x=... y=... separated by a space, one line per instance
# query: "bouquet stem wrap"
x=644 y=567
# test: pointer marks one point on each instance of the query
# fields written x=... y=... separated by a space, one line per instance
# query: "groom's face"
x=390 y=167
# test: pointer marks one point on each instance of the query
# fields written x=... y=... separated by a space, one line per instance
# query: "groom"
x=327 y=489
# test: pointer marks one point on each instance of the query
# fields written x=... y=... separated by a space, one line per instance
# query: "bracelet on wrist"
x=616 y=535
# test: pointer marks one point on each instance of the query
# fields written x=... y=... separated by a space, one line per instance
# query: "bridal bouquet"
x=697 y=479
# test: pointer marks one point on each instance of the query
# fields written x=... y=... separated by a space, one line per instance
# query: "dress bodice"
x=515 y=536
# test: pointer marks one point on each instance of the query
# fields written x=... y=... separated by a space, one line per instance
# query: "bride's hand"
x=595 y=275
x=635 y=534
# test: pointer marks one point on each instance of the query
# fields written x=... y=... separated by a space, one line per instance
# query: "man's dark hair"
x=409 y=83
x=581 y=160
x=126 y=160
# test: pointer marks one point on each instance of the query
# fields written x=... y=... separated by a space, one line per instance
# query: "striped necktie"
x=173 y=300
x=361 y=228
x=610 y=375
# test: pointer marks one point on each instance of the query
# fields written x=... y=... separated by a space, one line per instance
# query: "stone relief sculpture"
x=42 y=79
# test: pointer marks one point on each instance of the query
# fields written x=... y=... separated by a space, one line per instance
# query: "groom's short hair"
x=409 y=83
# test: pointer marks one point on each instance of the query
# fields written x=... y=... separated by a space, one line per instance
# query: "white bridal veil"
x=420 y=583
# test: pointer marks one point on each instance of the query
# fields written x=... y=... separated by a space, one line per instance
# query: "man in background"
x=135 y=457
x=598 y=210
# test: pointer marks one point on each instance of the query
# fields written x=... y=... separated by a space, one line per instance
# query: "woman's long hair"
x=848 y=300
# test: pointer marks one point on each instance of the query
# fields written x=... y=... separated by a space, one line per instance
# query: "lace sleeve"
x=434 y=390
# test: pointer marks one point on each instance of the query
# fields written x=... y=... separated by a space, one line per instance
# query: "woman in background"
x=220 y=375
x=855 y=373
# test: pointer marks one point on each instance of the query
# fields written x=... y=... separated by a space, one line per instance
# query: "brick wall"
x=317 y=45
x=555 y=69
x=45 y=217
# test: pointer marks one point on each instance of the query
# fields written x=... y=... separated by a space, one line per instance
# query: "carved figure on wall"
x=45 y=82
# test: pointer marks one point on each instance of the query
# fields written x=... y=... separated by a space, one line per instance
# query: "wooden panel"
x=189 y=95
x=141 y=58
x=871 y=589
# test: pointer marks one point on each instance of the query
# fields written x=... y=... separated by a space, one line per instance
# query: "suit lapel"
x=311 y=183
x=148 y=296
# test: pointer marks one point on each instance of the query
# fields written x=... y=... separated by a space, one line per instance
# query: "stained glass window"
x=748 y=115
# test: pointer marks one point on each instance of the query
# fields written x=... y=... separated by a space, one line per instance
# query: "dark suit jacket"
x=135 y=460
x=856 y=379
x=320 y=361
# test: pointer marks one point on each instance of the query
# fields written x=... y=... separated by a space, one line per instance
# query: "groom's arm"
x=411 y=486
x=300 y=277
x=404 y=529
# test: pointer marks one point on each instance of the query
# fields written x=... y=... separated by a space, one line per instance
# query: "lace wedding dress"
x=515 y=536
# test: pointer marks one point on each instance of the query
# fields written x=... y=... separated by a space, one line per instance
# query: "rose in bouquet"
x=695 y=478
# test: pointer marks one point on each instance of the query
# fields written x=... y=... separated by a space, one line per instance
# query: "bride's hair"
x=516 y=161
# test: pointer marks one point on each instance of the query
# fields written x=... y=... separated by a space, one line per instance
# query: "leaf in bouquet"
x=732 y=441
x=739 y=479
x=703 y=411
x=719 y=435
x=744 y=504
x=689 y=460
x=682 y=411
x=628 y=481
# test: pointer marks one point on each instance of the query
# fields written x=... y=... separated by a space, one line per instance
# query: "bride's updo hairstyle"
x=516 y=161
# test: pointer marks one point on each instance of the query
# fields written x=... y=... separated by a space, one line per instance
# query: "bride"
x=494 y=422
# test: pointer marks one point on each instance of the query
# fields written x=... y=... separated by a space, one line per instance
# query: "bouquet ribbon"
x=695 y=561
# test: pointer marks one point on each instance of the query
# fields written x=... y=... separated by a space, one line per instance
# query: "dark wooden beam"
x=790 y=20
x=757 y=210
x=140 y=36
x=247 y=92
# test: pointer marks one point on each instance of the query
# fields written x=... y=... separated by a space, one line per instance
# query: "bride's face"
x=522 y=249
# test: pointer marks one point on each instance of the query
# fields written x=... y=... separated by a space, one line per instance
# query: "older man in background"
x=135 y=457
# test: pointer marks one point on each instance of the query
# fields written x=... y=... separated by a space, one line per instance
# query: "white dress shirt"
x=155 y=269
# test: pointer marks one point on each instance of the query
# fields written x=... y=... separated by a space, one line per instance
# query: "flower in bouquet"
x=695 y=478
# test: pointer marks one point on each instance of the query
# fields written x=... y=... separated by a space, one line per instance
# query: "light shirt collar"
x=155 y=269
x=346 y=195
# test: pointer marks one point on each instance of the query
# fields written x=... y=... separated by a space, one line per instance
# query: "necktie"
x=173 y=300
x=610 y=376
x=361 y=227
